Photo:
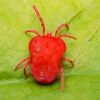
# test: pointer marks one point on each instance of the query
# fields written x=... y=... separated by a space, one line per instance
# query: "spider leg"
x=62 y=77
x=24 y=68
x=40 y=19
x=22 y=61
x=68 y=60
x=33 y=31
x=66 y=35
x=60 y=27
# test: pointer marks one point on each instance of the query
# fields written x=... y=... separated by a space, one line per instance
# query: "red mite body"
x=46 y=54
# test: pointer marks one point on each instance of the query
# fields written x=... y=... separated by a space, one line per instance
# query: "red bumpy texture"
x=46 y=54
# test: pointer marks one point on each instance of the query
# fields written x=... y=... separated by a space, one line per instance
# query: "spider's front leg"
x=32 y=31
x=68 y=60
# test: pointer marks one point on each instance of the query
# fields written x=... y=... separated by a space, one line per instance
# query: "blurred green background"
x=83 y=81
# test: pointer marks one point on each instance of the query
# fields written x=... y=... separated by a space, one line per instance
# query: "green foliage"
x=83 y=81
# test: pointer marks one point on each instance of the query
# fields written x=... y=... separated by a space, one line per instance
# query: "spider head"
x=49 y=34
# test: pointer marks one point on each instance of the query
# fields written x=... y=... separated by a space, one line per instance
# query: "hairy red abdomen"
x=46 y=53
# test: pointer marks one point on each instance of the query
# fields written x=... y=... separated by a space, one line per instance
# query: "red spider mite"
x=46 y=54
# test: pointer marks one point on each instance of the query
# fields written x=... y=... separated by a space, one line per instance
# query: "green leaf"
x=81 y=82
